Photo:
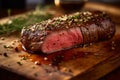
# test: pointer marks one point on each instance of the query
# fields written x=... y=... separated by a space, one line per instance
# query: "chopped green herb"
x=19 y=63
x=16 y=24
x=35 y=74
x=33 y=67
x=5 y=46
x=76 y=16
x=24 y=58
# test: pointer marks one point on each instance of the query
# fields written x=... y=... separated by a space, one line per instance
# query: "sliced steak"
x=62 y=40
x=67 y=32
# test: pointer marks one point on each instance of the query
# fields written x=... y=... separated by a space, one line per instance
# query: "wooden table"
x=90 y=72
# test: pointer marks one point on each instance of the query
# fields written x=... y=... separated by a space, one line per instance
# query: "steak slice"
x=60 y=40
x=68 y=31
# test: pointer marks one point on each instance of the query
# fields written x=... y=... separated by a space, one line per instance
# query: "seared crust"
x=94 y=25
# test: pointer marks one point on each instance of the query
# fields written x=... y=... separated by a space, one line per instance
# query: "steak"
x=67 y=32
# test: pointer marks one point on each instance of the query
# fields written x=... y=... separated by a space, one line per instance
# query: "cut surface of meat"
x=57 y=41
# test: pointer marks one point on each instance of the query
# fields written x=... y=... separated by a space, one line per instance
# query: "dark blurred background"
x=20 y=6
x=26 y=3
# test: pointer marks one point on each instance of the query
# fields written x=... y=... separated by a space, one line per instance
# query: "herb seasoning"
x=19 y=63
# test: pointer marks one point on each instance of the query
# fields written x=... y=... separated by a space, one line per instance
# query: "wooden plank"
x=92 y=62
x=98 y=60
x=100 y=69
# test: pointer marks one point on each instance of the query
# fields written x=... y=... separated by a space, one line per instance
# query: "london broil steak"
x=67 y=31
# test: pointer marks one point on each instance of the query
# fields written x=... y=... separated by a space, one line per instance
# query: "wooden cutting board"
x=89 y=62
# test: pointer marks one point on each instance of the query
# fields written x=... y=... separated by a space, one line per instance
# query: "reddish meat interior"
x=62 y=40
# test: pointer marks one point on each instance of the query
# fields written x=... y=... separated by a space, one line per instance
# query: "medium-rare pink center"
x=61 y=40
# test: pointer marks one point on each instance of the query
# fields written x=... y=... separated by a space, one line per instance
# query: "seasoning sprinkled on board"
x=19 y=63
x=5 y=54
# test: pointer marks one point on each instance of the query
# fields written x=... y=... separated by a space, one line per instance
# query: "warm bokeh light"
x=57 y=2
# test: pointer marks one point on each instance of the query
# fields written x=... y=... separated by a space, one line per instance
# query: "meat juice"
x=56 y=58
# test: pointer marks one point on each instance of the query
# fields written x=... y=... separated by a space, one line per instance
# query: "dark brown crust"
x=33 y=36
x=96 y=31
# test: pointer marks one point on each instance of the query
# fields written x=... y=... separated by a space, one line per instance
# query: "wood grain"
x=99 y=60
x=95 y=61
